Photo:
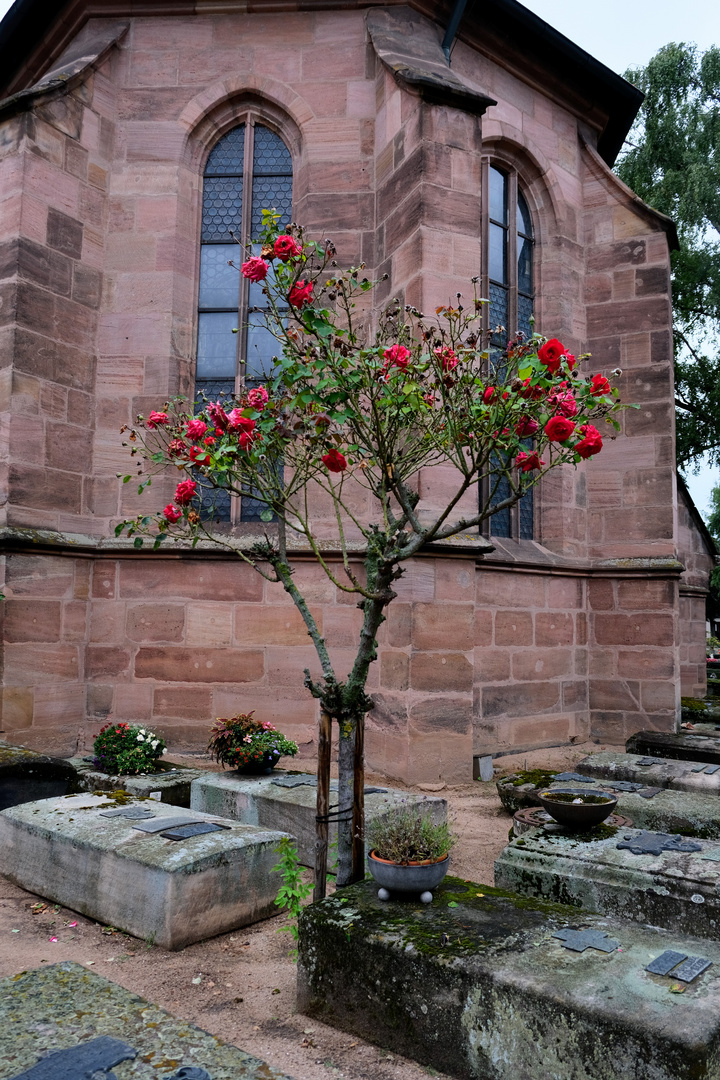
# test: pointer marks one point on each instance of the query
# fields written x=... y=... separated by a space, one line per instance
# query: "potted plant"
x=408 y=852
x=127 y=749
x=248 y=745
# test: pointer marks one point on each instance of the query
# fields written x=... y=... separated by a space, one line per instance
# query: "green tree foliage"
x=713 y=518
x=673 y=163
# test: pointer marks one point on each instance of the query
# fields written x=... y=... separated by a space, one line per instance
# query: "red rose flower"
x=196 y=429
x=591 y=443
x=563 y=401
x=255 y=268
x=398 y=356
x=600 y=386
x=559 y=428
x=172 y=514
x=301 y=293
x=489 y=395
x=218 y=416
x=334 y=461
x=570 y=360
x=526 y=462
x=287 y=247
x=246 y=439
x=551 y=353
x=526 y=426
x=448 y=357
x=184 y=492
x=157 y=419
x=199 y=456
x=258 y=398
x=531 y=392
x=238 y=422
x=176 y=448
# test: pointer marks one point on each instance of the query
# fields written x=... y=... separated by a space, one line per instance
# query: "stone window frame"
x=250 y=112
x=507 y=165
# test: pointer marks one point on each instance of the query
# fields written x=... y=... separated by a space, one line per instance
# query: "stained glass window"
x=232 y=342
x=508 y=283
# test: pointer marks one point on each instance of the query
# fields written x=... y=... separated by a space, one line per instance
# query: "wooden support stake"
x=358 y=819
x=322 y=827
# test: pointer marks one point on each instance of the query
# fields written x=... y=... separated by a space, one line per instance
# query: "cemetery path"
x=241 y=986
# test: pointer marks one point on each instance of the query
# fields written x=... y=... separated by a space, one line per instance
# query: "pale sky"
x=622 y=34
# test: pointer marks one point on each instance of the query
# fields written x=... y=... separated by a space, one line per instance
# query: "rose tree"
x=345 y=408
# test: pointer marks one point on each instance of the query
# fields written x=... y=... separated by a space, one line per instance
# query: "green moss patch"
x=538 y=777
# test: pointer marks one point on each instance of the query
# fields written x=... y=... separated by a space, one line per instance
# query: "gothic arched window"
x=507 y=276
x=234 y=197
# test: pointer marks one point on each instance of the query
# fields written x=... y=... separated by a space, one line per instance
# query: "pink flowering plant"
x=363 y=400
x=245 y=743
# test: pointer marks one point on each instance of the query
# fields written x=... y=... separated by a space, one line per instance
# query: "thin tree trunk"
x=358 y=818
x=323 y=804
x=346 y=793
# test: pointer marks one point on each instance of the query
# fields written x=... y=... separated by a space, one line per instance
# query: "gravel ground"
x=241 y=986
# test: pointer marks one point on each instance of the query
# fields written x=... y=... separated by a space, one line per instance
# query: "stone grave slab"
x=696 y=777
x=171 y=785
x=676 y=889
x=483 y=990
x=26 y=776
x=64 y=1014
x=288 y=803
x=77 y=852
x=683 y=746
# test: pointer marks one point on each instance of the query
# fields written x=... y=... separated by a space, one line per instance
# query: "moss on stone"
x=538 y=777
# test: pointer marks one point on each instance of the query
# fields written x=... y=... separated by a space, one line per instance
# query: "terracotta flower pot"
x=414 y=877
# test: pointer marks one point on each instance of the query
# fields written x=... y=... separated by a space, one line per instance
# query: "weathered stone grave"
x=683 y=745
x=487 y=985
x=170 y=785
x=165 y=874
x=288 y=802
x=26 y=776
x=658 y=878
x=59 y=1021
x=697 y=777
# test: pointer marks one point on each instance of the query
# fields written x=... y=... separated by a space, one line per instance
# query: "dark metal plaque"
x=80 y=1062
x=580 y=940
x=184 y=832
x=623 y=785
x=162 y=823
x=576 y=777
x=664 y=963
x=649 y=792
x=711 y=769
x=295 y=781
x=189 y=1072
x=654 y=843
x=693 y=966
x=651 y=761
x=699 y=768
x=134 y=813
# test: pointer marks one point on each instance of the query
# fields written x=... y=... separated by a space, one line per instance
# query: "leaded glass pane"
x=498 y=308
x=257 y=297
x=262 y=346
x=217 y=345
x=527 y=523
x=500 y=522
x=524 y=269
x=219 y=283
x=498 y=196
x=525 y=310
x=212 y=390
x=214 y=503
x=227 y=156
x=222 y=208
x=272 y=156
x=524 y=221
x=271 y=192
x=497 y=254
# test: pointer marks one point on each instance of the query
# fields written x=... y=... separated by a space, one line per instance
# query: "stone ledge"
x=64 y=1005
x=502 y=999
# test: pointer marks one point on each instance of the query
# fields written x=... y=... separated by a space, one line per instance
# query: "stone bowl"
x=593 y=809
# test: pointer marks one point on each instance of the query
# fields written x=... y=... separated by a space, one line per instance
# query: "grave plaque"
x=575 y=777
x=133 y=813
x=624 y=785
x=162 y=823
x=184 y=832
x=580 y=940
x=88 y=1061
x=654 y=843
x=713 y=856
x=699 y=768
x=651 y=761
x=649 y=792
x=711 y=770
x=693 y=966
x=664 y=963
